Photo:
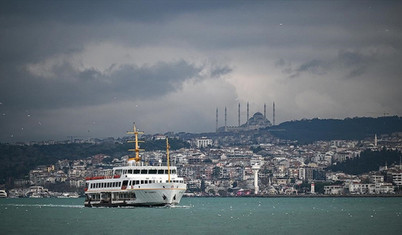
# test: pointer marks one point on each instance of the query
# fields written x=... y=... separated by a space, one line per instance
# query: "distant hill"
x=16 y=161
x=306 y=131
x=368 y=161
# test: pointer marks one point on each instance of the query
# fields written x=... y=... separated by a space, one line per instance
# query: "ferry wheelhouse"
x=136 y=184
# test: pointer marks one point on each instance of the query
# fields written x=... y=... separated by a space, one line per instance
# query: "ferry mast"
x=137 y=149
x=167 y=156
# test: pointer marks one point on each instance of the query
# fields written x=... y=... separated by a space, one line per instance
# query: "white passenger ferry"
x=136 y=184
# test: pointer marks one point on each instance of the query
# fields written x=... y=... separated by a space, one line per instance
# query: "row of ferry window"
x=131 y=183
x=144 y=172
x=106 y=185
x=116 y=196
x=134 y=182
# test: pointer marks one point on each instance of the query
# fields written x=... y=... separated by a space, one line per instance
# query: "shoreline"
x=301 y=196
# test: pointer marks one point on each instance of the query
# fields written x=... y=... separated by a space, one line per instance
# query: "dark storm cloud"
x=220 y=71
x=352 y=63
x=78 y=11
x=355 y=62
x=71 y=87
x=313 y=66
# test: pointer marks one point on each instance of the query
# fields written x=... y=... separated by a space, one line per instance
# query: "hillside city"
x=213 y=166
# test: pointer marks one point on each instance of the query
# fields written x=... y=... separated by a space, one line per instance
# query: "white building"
x=397 y=178
x=376 y=179
x=333 y=189
x=203 y=142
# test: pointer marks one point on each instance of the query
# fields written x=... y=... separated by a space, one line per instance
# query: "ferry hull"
x=143 y=197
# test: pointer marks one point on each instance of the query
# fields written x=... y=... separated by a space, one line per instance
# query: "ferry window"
x=124 y=172
x=136 y=171
x=119 y=184
x=160 y=172
x=137 y=182
x=118 y=172
x=144 y=171
x=142 y=181
x=130 y=171
x=152 y=171
x=173 y=171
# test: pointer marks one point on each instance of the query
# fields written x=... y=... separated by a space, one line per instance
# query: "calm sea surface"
x=206 y=216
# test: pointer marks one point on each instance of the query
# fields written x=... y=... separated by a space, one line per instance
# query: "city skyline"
x=79 y=68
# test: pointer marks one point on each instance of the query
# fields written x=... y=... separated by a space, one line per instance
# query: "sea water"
x=206 y=216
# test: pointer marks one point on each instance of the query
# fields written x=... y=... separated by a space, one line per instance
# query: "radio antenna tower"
x=216 y=119
x=239 y=114
x=248 y=111
x=225 y=117
x=273 y=114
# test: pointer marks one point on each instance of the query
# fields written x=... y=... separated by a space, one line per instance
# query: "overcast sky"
x=91 y=68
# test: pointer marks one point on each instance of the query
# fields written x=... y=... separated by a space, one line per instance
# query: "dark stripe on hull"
x=106 y=204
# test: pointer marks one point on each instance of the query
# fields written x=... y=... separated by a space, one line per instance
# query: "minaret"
x=273 y=114
x=248 y=112
x=375 y=140
x=226 y=115
x=216 y=119
x=265 y=111
x=239 y=114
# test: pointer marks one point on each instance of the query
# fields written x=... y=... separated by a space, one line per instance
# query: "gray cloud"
x=67 y=64
x=72 y=87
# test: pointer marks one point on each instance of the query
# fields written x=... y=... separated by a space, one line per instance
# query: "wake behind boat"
x=136 y=184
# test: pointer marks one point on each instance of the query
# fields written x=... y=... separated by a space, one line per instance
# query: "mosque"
x=257 y=121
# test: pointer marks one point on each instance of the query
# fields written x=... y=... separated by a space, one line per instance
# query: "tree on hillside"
x=368 y=161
